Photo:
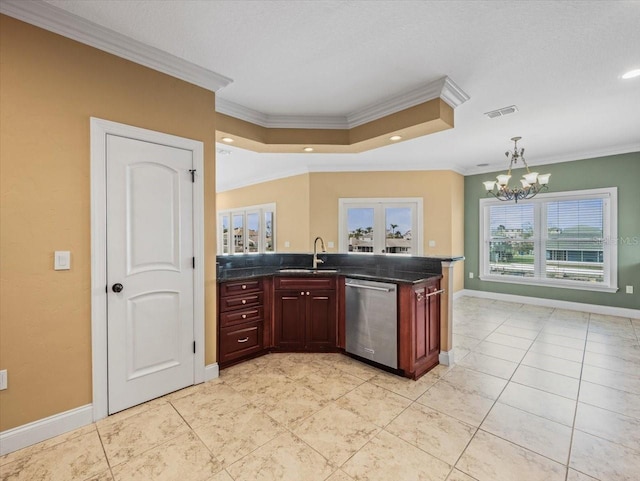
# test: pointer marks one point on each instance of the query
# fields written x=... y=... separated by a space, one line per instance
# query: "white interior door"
x=150 y=275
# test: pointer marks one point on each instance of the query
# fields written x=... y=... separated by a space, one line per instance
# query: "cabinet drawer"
x=240 y=302
x=305 y=283
x=240 y=316
x=239 y=341
x=234 y=288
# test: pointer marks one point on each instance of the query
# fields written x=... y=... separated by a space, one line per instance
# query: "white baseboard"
x=212 y=371
x=538 y=301
x=43 y=429
x=446 y=357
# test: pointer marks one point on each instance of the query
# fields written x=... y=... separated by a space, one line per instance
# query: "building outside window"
x=248 y=230
x=381 y=225
x=565 y=239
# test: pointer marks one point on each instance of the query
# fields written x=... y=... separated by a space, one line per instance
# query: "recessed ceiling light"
x=631 y=74
x=228 y=140
x=395 y=137
x=308 y=149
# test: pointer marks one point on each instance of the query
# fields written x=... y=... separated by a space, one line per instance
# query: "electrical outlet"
x=432 y=243
x=3 y=379
x=470 y=275
x=629 y=289
x=287 y=244
x=330 y=245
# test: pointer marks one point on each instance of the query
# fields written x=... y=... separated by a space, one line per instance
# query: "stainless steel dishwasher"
x=372 y=321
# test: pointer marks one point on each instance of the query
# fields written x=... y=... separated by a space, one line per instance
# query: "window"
x=381 y=226
x=561 y=239
x=247 y=230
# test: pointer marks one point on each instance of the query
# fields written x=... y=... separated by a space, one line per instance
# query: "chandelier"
x=532 y=182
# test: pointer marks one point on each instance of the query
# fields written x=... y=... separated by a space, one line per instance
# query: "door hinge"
x=106 y=288
x=193 y=175
x=194 y=347
x=193 y=262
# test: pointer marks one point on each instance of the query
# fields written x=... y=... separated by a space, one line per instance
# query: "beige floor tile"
x=339 y=475
x=611 y=399
x=202 y=406
x=464 y=406
x=624 y=330
x=532 y=325
x=561 y=352
x=184 y=457
x=221 y=476
x=475 y=382
x=49 y=443
x=76 y=459
x=510 y=341
x=540 y=403
x=231 y=436
x=471 y=331
x=331 y=384
x=135 y=434
x=517 y=332
x=353 y=367
x=500 y=351
x=133 y=411
x=438 y=434
x=547 y=381
x=565 y=341
x=264 y=383
x=629 y=352
x=457 y=475
x=574 y=475
x=613 y=379
x=489 y=365
x=104 y=476
x=465 y=342
x=336 y=433
x=613 y=340
x=570 y=315
x=292 y=405
x=374 y=404
x=403 y=386
x=489 y=458
x=612 y=363
x=388 y=457
x=285 y=458
x=603 y=459
x=612 y=426
x=552 y=364
x=533 y=432
x=576 y=333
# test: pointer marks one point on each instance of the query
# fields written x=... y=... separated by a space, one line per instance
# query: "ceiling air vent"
x=511 y=109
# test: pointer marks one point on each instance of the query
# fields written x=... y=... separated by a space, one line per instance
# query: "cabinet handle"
x=244 y=301
x=244 y=316
x=243 y=340
x=307 y=292
x=435 y=292
x=244 y=286
x=302 y=293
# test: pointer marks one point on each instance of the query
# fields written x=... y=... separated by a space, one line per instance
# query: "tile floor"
x=536 y=394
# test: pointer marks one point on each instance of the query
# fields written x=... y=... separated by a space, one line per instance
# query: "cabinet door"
x=290 y=315
x=433 y=322
x=420 y=328
x=320 y=320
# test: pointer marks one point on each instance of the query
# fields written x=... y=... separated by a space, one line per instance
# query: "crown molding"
x=57 y=20
x=443 y=88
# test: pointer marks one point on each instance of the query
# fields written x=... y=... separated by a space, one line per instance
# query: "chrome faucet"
x=317 y=261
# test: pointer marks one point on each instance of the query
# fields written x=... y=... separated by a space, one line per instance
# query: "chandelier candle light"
x=532 y=182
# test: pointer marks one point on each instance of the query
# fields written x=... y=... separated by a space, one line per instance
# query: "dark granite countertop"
x=373 y=273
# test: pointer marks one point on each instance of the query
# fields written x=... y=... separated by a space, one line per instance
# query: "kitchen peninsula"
x=279 y=303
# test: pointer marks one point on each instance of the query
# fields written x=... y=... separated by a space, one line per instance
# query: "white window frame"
x=260 y=209
x=610 y=234
x=378 y=204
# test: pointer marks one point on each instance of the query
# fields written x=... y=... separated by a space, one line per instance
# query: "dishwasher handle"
x=372 y=288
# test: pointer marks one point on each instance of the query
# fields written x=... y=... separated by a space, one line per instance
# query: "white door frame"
x=99 y=130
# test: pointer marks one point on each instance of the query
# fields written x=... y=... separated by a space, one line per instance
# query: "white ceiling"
x=559 y=62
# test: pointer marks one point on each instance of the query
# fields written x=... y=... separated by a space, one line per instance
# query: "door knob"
x=117 y=287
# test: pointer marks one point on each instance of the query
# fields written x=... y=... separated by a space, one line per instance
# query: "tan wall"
x=291 y=196
x=49 y=87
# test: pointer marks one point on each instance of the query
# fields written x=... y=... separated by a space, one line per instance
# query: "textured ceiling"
x=559 y=62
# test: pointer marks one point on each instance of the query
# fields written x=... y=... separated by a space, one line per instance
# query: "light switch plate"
x=62 y=260
x=629 y=289
x=3 y=379
x=432 y=243
x=287 y=244
x=330 y=244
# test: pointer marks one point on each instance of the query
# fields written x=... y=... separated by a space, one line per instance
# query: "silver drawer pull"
x=372 y=351
x=243 y=340
x=434 y=293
